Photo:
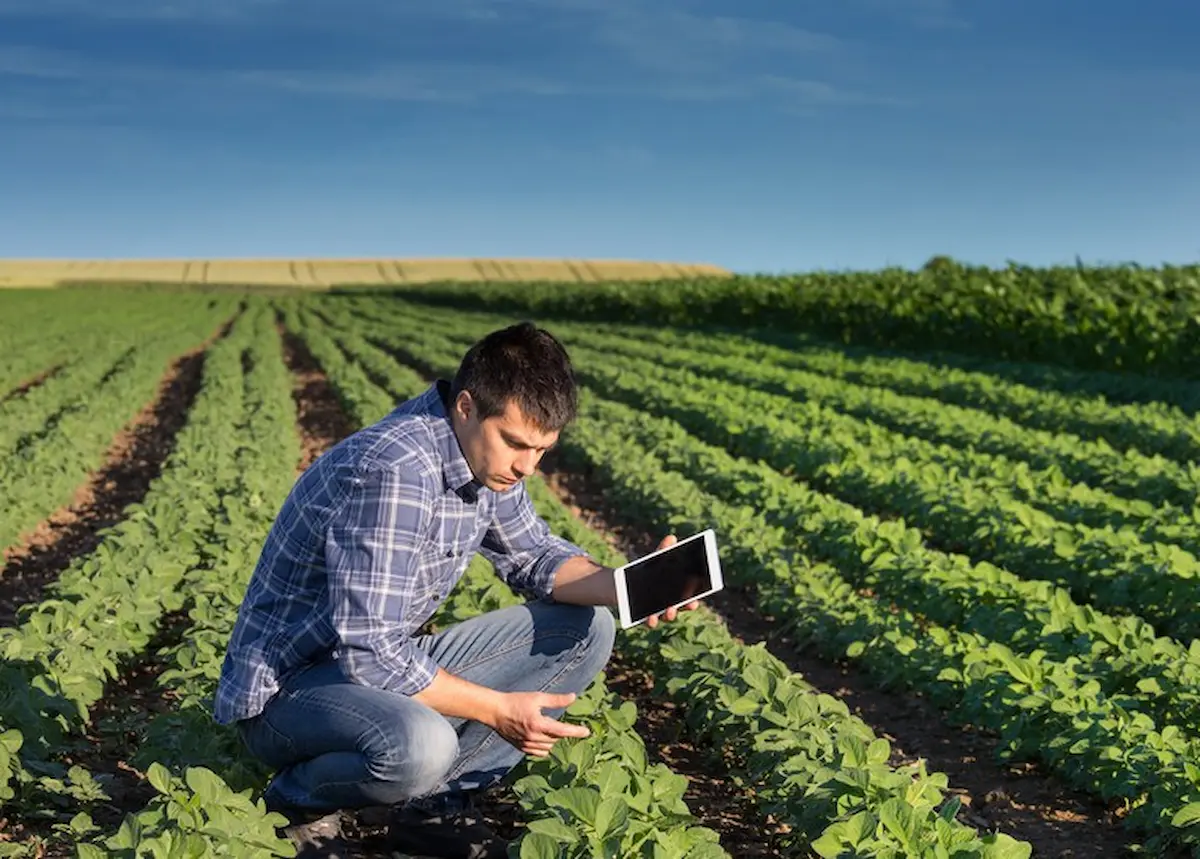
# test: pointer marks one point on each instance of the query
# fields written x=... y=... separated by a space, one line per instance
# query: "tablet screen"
x=668 y=578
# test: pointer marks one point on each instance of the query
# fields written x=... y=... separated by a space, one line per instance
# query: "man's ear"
x=464 y=404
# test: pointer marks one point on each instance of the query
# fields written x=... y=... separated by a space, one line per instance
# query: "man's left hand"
x=673 y=612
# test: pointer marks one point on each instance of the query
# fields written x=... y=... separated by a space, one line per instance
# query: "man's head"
x=513 y=393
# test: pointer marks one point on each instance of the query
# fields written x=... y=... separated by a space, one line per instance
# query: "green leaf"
x=205 y=783
x=554 y=828
x=1000 y=846
x=535 y=845
x=611 y=816
x=159 y=778
x=1189 y=815
x=583 y=802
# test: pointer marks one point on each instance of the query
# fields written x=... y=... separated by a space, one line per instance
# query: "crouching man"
x=325 y=676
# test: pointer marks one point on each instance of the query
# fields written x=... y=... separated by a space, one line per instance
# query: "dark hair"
x=522 y=363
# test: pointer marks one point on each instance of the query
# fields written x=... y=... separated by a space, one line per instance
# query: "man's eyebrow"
x=511 y=439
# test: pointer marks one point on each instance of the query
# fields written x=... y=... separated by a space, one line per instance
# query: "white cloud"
x=815 y=93
x=682 y=42
x=33 y=62
x=928 y=14
x=138 y=10
x=447 y=82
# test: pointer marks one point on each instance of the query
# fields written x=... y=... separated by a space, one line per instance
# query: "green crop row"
x=45 y=329
x=1095 y=318
x=44 y=474
x=814 y=766
x=1047 y=487
x=1078 y=404
x=1115 y=569
x=1087 y=437
x=105 y=607
x=1040 y=707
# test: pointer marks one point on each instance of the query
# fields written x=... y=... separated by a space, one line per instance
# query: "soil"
x=30 y=383
x=133 y=461
x=1021 y=800
x=320 y=416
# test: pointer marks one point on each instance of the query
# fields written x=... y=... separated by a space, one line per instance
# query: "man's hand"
x=521 y=722
x=671 y=613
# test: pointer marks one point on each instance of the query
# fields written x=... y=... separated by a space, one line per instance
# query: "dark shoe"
x=426 y=829
x=316 y=835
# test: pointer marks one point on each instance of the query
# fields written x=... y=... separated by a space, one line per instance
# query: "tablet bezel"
x=716 y=580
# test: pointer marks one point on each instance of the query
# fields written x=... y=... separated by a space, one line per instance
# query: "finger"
x=540 y=749
x=668 y=540
x=553 y=729
x=672 y=613
x=652 y=621
x=551 y=700
x=693 y=605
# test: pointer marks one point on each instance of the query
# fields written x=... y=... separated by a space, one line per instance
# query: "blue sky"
x=763 y=136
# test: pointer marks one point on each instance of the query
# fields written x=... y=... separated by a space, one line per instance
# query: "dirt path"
x=134 y=459
x=1020 y=800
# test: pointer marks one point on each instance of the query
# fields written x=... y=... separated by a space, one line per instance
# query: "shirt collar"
x=456 y=472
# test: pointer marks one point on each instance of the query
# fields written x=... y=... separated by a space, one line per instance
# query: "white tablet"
x=668 y=577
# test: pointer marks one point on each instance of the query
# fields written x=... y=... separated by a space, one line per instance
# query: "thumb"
x=668 y=540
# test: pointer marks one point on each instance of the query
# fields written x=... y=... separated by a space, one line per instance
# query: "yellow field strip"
x=321 y=273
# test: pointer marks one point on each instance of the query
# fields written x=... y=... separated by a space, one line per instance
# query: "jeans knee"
x=602 y=632
x=416 y=758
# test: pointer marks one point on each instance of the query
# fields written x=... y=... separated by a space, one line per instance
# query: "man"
x=325 y=676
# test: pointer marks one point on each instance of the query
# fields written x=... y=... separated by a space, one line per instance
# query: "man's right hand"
x=519 y=720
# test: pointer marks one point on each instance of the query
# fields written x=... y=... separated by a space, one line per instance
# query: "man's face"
x=501 y=450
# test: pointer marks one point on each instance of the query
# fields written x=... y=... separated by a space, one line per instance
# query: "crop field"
x=962 y=614
x=320 y=273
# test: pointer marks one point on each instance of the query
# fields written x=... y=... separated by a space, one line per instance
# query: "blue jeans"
x=339 y=745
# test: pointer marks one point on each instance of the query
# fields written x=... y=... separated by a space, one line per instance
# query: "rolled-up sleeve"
x=521 y=546
x=371 y=562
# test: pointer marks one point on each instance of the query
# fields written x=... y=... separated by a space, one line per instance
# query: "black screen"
x=667 y=579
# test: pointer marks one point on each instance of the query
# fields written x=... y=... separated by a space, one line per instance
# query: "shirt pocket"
x=436 y=562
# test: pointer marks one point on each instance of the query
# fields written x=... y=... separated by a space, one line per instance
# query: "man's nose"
x=526 y=463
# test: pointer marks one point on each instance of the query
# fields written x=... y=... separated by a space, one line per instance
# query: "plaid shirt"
x=371 y=538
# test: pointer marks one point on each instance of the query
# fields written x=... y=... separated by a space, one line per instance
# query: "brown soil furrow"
x=135 y=458
x=31 y=383
x=1021 y=800
x=319 y=415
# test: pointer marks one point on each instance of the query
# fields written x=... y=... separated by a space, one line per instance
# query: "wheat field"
x=322 y=273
